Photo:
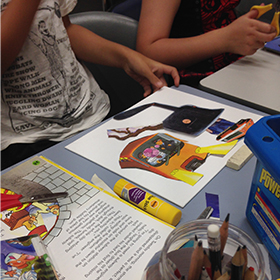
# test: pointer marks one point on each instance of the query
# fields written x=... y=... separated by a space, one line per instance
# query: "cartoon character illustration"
x=19 y=260
x=31 y=217
x=169 y=156
x=19 y=264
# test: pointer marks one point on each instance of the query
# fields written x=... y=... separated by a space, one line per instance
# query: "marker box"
x=263 y=208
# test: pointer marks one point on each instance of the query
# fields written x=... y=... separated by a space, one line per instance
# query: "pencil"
x=224 y=233
x=217 y=273
x=237 y=264
x=196 y=262
x=204 y=274
x=227 y=267
x=174 y=268
x=249 y=274
x=244 y=252
x=207 y=264
x=214 y=244
x=225 y=276
x=195 y=241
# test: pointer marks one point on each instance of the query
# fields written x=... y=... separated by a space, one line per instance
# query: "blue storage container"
x=263 y=208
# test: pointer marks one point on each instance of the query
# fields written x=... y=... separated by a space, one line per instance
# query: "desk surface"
x=252 y=81
x=227 y=184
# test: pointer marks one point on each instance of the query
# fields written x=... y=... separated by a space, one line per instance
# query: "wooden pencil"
x=249 y=274
x=244 y=252
x=217 y=273
x=196 y=262
x=225 y=276
x=195 y=241
x=237 y=264
x=207 y=264
x=174 y=268
x=224 y=233
x=204 y=274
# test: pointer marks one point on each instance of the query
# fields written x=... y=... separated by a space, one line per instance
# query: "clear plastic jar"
x=162 y=270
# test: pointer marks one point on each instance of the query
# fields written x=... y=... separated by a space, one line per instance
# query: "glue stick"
x=148 y=202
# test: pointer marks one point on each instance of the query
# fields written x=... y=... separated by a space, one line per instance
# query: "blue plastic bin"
x=263 y=208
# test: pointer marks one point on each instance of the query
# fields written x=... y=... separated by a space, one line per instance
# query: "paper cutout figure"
x=236 y=131
x=219 y=126
x=169 y=156
x=187 y=119
x=124 y=133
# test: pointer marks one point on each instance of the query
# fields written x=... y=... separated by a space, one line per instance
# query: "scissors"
x=13 y=200
x=263 y=9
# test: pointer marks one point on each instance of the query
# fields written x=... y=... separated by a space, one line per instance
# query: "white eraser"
x=213 y=231
x=239 y=159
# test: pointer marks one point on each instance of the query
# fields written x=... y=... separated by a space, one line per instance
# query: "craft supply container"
x=263 y=208
x=159 y=268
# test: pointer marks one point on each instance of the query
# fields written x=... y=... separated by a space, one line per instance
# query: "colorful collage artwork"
x=169 y=143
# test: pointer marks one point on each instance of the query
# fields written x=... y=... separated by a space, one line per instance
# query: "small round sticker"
x=154 y=204
x=186 y=121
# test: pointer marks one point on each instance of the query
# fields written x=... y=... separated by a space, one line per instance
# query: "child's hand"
x=246 y=34
x=148 y=72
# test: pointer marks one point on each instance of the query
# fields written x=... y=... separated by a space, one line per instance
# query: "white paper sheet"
x=107 y=239
x=97 y=147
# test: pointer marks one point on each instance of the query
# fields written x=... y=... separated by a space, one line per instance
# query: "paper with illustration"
x=25 y=258
x=111 y=152
x=98 y=235
x=35 y=177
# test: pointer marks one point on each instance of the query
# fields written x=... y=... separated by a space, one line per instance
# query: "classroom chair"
x=121 y=88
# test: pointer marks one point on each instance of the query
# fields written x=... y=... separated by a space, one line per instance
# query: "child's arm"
x=244 y=36
x=15 y=25
x=93 y=48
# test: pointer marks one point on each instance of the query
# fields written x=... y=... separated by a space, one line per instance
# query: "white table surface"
x=253 y=81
